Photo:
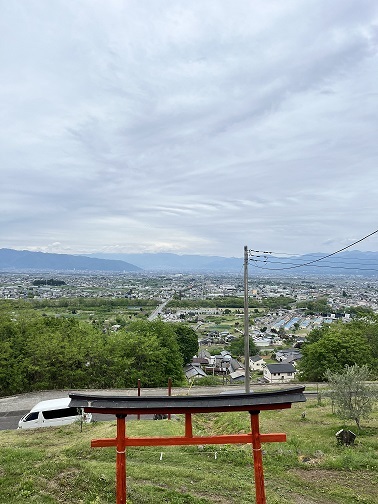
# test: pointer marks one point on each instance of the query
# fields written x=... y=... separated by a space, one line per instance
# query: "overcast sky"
x=188 y=126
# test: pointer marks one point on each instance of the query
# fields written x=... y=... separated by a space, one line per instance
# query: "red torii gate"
x=121 y=406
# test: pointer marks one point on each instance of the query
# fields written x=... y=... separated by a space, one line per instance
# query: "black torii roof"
x=121 y=404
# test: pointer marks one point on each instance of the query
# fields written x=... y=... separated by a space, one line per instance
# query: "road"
x=9 y=420
x=14 y=407
x=158 y=310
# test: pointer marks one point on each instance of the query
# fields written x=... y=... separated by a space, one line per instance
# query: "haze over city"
x=188 y=127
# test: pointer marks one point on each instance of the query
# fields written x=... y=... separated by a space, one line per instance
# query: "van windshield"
x=59 y=413
x=31 y=416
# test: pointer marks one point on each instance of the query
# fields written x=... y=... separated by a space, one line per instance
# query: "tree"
x=317 y=333
x=171 y=362
x=282 y=333
x=319 y=305
x=136 y=356
x=352 y=396
x=187 y=340
x=236 y=347
x=42 y=352
x=334 y=348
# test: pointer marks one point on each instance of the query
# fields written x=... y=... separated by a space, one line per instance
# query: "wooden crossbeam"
x=184 y=440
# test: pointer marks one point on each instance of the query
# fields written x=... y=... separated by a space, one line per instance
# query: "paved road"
x=9 y=420
x=13 y=408
x=158 y=310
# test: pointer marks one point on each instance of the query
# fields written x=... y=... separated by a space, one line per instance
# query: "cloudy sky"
x=188 y=126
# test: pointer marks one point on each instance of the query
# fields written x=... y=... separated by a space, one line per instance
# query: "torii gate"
x=121 y=406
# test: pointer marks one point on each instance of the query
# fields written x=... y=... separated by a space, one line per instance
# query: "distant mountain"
x=24 y=260
x=348 y=263
x=178 y=263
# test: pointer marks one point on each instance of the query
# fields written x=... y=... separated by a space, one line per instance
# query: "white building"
x=279 y=373
x=256 y=363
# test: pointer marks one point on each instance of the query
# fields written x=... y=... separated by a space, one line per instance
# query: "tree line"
x=75 y=302
x=232 y=302
x=44 y=353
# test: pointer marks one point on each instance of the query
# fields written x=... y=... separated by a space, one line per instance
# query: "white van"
x=53 y=413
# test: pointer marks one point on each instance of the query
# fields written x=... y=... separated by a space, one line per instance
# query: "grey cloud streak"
x=193 y=127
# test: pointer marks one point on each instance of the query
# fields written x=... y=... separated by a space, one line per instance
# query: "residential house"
x=256 y=363
x=204 y=354
x=199 y=361
x=222 y=360
x=236 y=371
x=238 y=375
x=279 y=373
x=289 y=355
x=294 y=359
x=192 y=372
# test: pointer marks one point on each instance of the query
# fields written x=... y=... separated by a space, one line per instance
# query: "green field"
x=58 y=466
x=101 y=310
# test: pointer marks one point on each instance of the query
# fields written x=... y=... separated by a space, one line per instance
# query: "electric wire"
x=315 y=260
x=268 y=266
x=276 y=255
x=349 y=265
x=356 y=268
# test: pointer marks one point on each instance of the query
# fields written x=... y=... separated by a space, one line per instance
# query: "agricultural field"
x=102 y=312
x=53 y=466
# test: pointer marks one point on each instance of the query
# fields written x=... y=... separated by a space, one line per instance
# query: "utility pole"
x=246 y=324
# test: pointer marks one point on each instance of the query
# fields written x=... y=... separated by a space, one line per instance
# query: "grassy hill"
x=50 y=466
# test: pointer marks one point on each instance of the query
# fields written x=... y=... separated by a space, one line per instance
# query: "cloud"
x=193 y=127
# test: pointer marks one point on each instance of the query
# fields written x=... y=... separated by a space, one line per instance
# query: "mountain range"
x=24 y=260
x=348 y=263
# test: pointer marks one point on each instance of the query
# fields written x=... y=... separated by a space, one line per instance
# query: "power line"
x=268 y=265
x=296 y=261
x=315 y=266
x=276 y=255
x=324 y=257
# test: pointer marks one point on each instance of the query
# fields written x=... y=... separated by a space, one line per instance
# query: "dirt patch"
x=299 y=499
x=361 y=483
x=62 y=483
x=353 y=479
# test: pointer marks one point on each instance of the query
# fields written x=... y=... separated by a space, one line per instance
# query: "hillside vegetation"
x=53 y=466
x=44 y=353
